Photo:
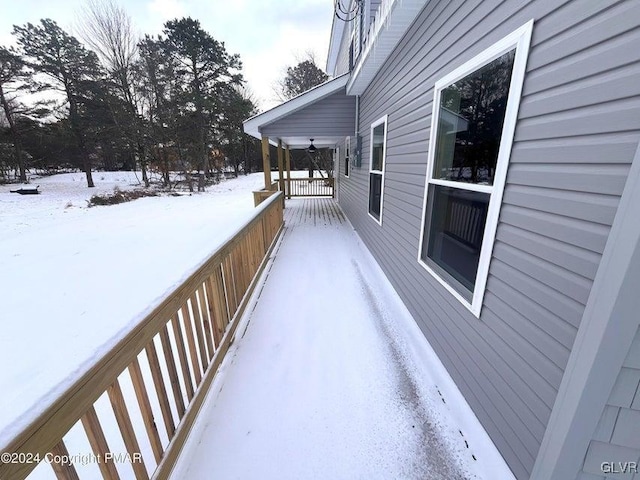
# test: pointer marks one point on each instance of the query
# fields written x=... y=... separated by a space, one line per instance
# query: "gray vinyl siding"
x=577 y=132
x=617 y=436
x=371 y=13
x=331 y=116
x=342 y=64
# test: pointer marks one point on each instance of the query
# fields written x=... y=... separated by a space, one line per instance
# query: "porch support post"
x=266 y=162
x=280 y=166
x=288 y=158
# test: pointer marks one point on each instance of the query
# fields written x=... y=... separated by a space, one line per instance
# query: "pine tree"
x=67 y=64
x=12 y=70
x=204 y=69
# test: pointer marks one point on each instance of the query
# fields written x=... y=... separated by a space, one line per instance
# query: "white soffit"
x=252 y=125
x=391 y=22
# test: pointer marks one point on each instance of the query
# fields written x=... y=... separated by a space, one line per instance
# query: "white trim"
x=253 y=125
x=347 y=158
x=474 y=187
x=520 y=39
x=380 y=121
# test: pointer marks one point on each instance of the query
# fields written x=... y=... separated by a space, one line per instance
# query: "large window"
x=474 y=114
x=376 y=167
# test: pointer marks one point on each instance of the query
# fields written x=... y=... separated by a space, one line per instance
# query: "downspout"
x=358 y=161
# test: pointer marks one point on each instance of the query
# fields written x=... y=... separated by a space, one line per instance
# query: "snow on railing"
x=170 y=359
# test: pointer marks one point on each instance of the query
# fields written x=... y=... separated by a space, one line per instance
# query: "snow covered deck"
x=329 y=377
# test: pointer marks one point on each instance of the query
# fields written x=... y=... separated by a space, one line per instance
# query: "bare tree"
x=300 y=78
x=107 y=29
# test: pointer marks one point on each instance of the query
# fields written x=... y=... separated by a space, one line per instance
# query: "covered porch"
x=322 y=117
x=332 y=384
x=285 y=354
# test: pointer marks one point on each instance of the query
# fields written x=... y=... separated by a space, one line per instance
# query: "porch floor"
x=322 y=380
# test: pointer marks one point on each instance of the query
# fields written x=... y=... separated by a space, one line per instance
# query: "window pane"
x=378 y=147
x=454 y=229
x=347 y=156
x=375 y=194
x=470 y=123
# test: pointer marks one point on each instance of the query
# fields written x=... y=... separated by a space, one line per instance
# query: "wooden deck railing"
x=181 y=343
x=310 y=187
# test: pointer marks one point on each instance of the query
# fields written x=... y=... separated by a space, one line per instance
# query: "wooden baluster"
x=229 y=286
x=126 y=430
x=191 y=343
x=207 y=327
x=215 y=293
x=98 y=443
x=198 y=325
x=173 y=371
x=161 y=391
x=145 y=409
x=63 y=471
x=182 y=355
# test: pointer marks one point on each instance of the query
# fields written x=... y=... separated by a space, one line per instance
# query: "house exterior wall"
x=342 y=64
x=331 y=116
x=577 y=131
x=370 y=13
x=617 y=436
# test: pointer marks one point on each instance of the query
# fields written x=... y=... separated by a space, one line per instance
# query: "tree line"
x=174 y=102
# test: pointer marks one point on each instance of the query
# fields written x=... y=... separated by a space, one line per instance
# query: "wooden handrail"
x=209 y=303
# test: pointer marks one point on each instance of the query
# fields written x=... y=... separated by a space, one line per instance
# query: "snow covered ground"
x=336 y=384
x=74 y=279
x=332 y=379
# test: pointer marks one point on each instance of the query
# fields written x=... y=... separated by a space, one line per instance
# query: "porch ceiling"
x=324 y=113
x=303 y=142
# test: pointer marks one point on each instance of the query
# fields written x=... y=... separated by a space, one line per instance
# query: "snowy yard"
x=329 y=376
x=75 y=278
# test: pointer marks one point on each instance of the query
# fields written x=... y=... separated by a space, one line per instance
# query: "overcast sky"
x=268 y=34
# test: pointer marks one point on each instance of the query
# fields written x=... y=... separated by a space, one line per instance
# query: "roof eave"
x=337 y=30
x=391 y=22
x=252 y=125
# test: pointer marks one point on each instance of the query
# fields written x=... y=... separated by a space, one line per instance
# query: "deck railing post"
x=288 y=161
x=281 y=168
x=266 y=162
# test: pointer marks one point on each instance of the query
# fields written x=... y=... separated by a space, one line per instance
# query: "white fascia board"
x=335 y=41
x=252 y=125
x=392 y=20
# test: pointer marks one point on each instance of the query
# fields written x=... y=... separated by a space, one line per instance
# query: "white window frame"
x=347 y=157
x=520 y=39
x=380 y=121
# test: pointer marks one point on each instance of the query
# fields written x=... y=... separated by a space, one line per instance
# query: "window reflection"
x=378 y=147
x=454 y=236
x=375 y=194
x=470 y=123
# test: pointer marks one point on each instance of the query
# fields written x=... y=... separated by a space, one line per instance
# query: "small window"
x=376 y=167
x=474 y=115
x=347 y=156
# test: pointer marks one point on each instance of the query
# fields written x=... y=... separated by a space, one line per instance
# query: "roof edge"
x=252 y=125
x=335 y=40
